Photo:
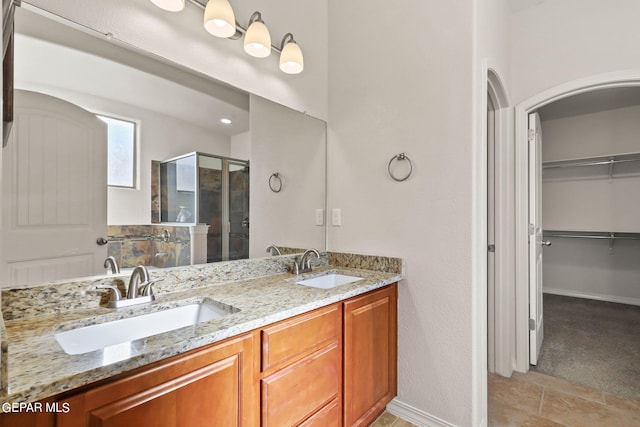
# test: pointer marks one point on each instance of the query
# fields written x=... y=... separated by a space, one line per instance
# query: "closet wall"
x=595 y=201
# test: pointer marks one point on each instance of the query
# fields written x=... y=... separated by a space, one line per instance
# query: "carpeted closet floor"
x=593 y=343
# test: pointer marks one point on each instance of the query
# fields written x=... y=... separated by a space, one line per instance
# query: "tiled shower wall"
x=132 y=245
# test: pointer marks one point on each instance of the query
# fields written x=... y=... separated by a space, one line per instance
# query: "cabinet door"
x=214 y=386
x=370 y=355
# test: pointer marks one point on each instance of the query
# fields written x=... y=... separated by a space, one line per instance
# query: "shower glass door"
x=238 y=179
x=223 y=203
x=211 y=206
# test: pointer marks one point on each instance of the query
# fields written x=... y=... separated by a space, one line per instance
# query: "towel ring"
x=399 y=157
x=275 y=182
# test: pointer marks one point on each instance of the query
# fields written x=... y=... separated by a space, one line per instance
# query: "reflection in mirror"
x=206 y=189
x=175 y=111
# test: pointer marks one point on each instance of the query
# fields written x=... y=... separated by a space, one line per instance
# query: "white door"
x=54 y=192
x=536 y=321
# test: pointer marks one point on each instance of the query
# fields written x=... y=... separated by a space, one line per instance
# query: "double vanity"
x=231 y=343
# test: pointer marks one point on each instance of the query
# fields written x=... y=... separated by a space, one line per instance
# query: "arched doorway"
x=522 y=110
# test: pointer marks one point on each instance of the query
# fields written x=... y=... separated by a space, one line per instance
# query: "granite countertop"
x=35 y=366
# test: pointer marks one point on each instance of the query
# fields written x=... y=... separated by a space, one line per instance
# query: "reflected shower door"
x=238 y=179
x=211 y=209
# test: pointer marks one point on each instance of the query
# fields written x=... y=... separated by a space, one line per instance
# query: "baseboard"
x=599 y=297
x=414 y=415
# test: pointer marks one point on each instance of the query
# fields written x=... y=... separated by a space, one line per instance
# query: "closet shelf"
x=593 y=161
x=606 y=163
x=591 y=235
x=601 y=235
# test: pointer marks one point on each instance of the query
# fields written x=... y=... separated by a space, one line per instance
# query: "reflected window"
x=121 y=158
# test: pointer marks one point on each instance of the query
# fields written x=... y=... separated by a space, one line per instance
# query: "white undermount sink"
x=103 y=335
x=328 y=281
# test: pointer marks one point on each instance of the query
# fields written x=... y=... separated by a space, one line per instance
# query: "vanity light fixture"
x=219 y=19
x=291 y=60
x=169 y=5
x=257 y=40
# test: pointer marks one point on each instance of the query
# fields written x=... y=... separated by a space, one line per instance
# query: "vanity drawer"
x=304 y=388
x=328 y=416
x=291 y=339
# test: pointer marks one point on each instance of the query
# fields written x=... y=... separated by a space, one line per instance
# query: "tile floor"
x=389 y=420
x=537 y=400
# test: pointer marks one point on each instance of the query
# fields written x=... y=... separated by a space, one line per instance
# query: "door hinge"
x=491 y=248
x=532 y=229
x=531 y=134
x=532 y=324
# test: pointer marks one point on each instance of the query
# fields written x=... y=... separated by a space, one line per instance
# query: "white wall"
x=241 y=146
x=493 y=35
x=586 y=268
x=293 y=145
x=591 y=135
x=554 y=42
x=181 y=38
x=409 y=89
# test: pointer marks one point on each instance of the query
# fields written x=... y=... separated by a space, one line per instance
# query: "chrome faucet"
x=274 y=250
x=139 y=275
x=138 y=292
x=111 y=265
x=304 y=266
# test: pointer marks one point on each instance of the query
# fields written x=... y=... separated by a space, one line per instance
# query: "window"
x=121 y=157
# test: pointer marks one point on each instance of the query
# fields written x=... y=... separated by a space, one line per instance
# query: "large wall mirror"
x=93 y=122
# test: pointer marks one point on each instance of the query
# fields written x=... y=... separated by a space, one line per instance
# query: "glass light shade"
x=291 y=60
x=219 y=19
x=169 y=5
x=257 y=41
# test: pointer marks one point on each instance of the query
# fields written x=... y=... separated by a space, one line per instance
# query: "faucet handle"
x=146 y=289
x=115 y=292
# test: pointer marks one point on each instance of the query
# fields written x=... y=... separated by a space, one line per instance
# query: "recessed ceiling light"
x=225 y=121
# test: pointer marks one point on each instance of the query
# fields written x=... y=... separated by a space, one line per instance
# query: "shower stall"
x=199 y=188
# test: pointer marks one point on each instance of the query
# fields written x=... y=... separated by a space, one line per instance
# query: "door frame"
x=500 y=322
x=626 y=78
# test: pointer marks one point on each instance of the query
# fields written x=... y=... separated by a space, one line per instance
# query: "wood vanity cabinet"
x=370 y=354
x=214 y=386
x=333 y=366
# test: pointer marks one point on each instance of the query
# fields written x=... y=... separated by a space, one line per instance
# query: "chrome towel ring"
x=400 y=157
x=275 y=182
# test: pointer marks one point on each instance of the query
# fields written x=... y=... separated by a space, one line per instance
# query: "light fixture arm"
x=288 y=38
x=255 y=16
x=240 y=30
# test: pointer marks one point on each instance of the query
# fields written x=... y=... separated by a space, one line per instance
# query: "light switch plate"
x=319 y=216
x=336 y=216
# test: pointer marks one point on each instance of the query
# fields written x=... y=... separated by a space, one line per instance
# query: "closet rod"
x=589 y=163
x=587 y=235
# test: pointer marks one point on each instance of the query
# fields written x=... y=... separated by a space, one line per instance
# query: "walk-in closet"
x=591 y=218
